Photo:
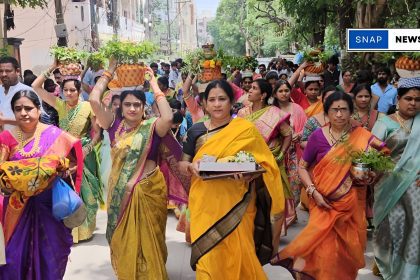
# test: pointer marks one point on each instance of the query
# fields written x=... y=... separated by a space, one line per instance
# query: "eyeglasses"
x=341 y=110
x=247 y=82
x=136 y=105
x=26 y=108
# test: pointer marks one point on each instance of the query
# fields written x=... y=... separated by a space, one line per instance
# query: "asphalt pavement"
x=91 y=260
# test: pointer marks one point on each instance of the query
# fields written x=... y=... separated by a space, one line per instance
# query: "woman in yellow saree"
x=137 y=190
x=223 y=211
x=332 y=244
x=273 y=124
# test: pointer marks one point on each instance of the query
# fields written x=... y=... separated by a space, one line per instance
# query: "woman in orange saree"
x=312 y=89
x=332 y=244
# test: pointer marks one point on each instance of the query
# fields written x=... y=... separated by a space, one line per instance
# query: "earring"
x=398 y=106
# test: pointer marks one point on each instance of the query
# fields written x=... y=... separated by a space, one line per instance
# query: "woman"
x=37 y=244
x=364 y=115
x=316 y=121
x=297 y=121
x=312 y=89
x=397 y=195
x=347 y=84
x=214 y=203
x=332 y=244
x=76 y=117
x=273 y=125
x=137 y=190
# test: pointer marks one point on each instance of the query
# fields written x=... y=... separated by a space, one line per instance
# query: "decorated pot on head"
x=408 y=66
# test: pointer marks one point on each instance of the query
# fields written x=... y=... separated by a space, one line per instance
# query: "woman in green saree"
x=138 y=192
x=273 y=124
x=397 y=195
x=76 y=117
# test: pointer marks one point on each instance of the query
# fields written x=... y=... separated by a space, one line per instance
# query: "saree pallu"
x=37 y=245
x=211 y=201
x=332 y=244
x=314 y=109
x=91 y=193
x=136 y=215
x=268 y=121
x=397 y=203
x=297 y=122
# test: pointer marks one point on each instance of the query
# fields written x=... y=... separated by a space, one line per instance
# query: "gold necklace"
x=401 y=121
x=342 y=137
x=23 y=142
x=123 y=131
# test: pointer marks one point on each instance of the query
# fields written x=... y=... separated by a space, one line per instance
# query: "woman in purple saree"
x=32 y=155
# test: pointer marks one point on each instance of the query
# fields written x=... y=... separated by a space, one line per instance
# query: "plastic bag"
x=65 y=201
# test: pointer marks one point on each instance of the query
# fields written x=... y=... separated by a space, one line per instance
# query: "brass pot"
x=359 y=171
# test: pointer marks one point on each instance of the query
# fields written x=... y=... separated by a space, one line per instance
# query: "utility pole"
x=115 y=21
x=169 y=28
x=60 y=28
x=6 y=8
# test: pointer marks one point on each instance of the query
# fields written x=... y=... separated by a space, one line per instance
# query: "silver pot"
x=359 y=172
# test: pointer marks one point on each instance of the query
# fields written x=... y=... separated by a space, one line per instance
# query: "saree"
x=297 y=122
x=136 y=211
x=211 y=201
x=396 y=208
x=77 y=122
x=314 y=109
x=332 y=244
x=37 y=244
x=268 y=121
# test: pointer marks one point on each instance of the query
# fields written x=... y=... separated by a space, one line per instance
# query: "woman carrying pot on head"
x=32 y=156
x=76 y=117
x=137 y=196
x=332 y=244
x=227 y=205
x=397 y=195
x=273 y=125
x=282 y=99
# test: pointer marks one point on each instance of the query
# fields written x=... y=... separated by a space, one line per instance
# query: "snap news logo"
x=360 y=40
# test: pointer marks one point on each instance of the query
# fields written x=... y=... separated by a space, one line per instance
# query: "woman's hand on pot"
x=113 y=63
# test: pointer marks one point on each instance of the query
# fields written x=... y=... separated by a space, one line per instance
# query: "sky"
x=207 y=5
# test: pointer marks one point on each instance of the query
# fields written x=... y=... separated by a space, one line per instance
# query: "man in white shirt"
x=9 y=75
x=173 y=75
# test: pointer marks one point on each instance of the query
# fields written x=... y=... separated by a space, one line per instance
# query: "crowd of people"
x=66 y=141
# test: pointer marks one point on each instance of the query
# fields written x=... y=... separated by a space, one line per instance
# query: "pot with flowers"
x=408 y=65
x=317 y=60
x=365 y=162
x=204 y=62
x=68 y=60
x=131 y=70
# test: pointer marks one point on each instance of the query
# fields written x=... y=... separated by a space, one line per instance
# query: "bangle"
x=310 y=190
x=107 y=74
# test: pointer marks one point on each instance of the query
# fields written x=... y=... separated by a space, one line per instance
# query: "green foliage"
x=128 y=52
x=192 y=62
x=376 y=160
x=96 y=60
x=67 y=55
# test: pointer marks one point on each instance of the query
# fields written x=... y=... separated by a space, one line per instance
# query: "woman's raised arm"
x=38 y=83
x=103 y=114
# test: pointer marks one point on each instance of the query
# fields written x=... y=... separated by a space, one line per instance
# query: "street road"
x=90 y=260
